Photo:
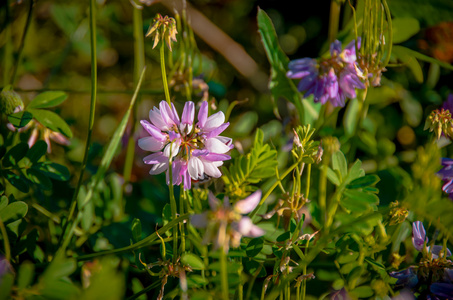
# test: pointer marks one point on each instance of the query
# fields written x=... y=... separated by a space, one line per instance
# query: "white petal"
x=211 y=169
x=150 y=144
x=195 y=168
x=214 y=145
x=214 y=121
x=248 y=204
x=159 y=168
x=174 y=149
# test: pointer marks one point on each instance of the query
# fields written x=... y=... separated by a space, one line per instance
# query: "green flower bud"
x=10 y=101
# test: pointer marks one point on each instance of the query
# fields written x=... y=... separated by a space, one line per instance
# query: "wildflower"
x=441 y=122
x=330 y=79
x=195 y=151
x=419 y=239
x=163 y=28
x=46 y=133
x=225 y=224
x=406 y=277
x=446 y=173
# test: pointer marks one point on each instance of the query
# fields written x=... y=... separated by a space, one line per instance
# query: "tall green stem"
x=8 y=48
x=224 y=274
x=164 y=73
x=92 y=108
x=322 y=191
x=334 y=20
x=173 y=208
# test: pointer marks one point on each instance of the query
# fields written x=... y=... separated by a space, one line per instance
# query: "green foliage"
x=257 y=165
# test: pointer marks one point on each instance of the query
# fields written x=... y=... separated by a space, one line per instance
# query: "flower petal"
x=214 y=203
x=214 y=121
x=418 y=235
x=248 y=204
x=199 y=220
x=214 y=145
x=153 y=131
x=195 y=168
x=150 y=144
x=203 y=114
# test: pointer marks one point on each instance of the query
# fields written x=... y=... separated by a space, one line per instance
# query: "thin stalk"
x=22 y=42
x=173 y=207
x=92 y=109
x=8 y=51
x=271 y=189
x=307 y=188
x=334 y=20
x=390 y=36
x=182 y=200
x=322 y=191
x=139 y=64
x=164 y=73
x=224 y=274
x=5 y=241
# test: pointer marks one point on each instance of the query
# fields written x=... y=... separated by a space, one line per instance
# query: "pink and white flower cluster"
x=196 y=149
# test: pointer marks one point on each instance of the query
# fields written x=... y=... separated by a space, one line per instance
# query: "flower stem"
x=5 y=241
x=173 y=208
x=224 y=274
x=92 y=111
x=322 y=191
x=164 y=73
x=334 y=20
x=22 y=42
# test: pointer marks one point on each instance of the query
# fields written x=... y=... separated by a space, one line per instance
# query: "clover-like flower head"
x=196 y=150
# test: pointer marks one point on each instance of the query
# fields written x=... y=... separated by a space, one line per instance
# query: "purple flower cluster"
x=196 y=150
x=446 y=173
x=329 y=79
x=434 y=270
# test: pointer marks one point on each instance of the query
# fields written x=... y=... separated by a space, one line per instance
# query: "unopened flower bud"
x=163 y=28
x=440 y=121
x=10 y=101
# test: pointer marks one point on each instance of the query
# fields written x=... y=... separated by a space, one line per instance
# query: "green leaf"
x=37 y=151
x=14 y=155
x=410 y=61
x=26 y=274
x=113 y=145
x=280 y=85
x=350 y=117
x=284 y=236
x=53 y=170
x=332 y=176
x=3 y=202
x=253 y=266
x=361 y=196
x=375 y=263
x=20 y=119
x=355 y=171
x=13 y=212
x=193 y=261
x=52 y=121
x=340 y=164
x=17 y=181
x=48 y=99
x=404 y=28
x=254 y=247
x=6 y=285
x=39 y=178
x=364 y=181
x=136 y=230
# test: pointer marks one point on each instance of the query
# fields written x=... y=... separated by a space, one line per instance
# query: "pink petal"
x=188 y=113
x=246 y=227
x=248 y=204
x=203 y=114
x=153 y=131
x=214 y=203
x=159 y=168
x=155 y=158
x=156 y=119
x=174 y=146
x=218 y=130
x=150 y=144
x=168 y=115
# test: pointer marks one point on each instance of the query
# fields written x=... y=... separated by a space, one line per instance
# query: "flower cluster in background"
x=433 y=270
x=195 y=150
x=329 y=79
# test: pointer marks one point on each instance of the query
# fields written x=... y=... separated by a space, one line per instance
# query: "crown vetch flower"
x=196 y=149
x=419 y=239
x=225 y=225
x=330 y=79
x=446 y=174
